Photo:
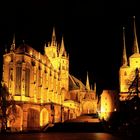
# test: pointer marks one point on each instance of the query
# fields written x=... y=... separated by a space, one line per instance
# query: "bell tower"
x=128 y=68
x=52 y=51
x=64 y=66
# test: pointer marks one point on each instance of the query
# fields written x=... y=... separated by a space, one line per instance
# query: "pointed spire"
x=13 y=44
x=62 y=48
x=94 y=87
x=87 y=83
x=53 y=43
x=124 y=59
x=6 y=49
x=135 y=45
x=45 y=46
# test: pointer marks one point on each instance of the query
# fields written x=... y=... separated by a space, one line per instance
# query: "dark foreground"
x=62 y=136
x=83 y=128
x=72 y=131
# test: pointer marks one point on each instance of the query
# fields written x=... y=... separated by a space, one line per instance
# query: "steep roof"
x=75 y=83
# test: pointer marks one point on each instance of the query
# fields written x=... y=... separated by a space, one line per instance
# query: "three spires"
x=135 y=44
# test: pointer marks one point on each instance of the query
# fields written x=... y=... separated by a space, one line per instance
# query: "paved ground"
x=84 y=123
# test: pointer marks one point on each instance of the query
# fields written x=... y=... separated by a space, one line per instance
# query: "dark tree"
x=7 y=107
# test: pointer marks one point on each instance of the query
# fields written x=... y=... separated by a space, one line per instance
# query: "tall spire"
x=62 y=48
x=45 y=46
x=94 y=87
x=13 y=44
x=53 y=43
x=124 y=59
x=135 y=45
x=87 y=83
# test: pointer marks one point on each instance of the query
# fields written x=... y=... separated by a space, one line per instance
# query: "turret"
x=13 y=44
x=87 y=83
x=53 y=41
x=62 y=51
x=51 y=50
x=95 y=87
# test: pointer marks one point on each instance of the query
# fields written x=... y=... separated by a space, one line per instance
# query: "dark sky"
x=92 y=32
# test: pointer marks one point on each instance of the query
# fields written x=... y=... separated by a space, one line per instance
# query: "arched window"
x=125 y=73
x=27 y=80
x=18 y=78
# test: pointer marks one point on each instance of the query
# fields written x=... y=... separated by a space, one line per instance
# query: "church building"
x=42 y=87
x=129 y=70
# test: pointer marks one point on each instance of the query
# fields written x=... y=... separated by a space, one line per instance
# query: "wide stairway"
x=84 y=123
x=86 y=118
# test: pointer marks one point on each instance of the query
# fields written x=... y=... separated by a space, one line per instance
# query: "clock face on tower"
x=8 y=58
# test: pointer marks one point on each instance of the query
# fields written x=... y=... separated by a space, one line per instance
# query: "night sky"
x=92 y=32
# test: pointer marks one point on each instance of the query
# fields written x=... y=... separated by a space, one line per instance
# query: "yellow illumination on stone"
x=108 y=103
x=40 y=86
x=127 y=71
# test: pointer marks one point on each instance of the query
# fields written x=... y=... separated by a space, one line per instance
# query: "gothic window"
x=45 y=71
x=18 y=79
x=33 y=63
x=53 y=55
x=125 y=73
x=39 y=67
x=63 y=67
x=50 y=73
x=27 y=81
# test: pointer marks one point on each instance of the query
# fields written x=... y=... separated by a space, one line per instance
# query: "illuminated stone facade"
x=109 y=103
x=127 y=72
x=42 y=87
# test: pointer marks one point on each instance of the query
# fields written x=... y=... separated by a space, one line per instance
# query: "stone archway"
x=33 y=119
x=15 y=121
x=64 y=94
x=44 y=117
x=65 y=115
x=88 y=107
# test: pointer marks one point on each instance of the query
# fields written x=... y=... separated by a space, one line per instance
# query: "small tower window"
x=125 y=73
x=63 y=67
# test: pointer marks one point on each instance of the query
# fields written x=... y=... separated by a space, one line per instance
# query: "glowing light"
x=47 y=84
x=107 y=104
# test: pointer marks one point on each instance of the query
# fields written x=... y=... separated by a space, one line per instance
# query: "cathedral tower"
x=52 y=51
x=64 y=66
x=127 y=70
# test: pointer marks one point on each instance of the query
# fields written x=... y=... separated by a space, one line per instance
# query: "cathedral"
x=42 y=87
x=129 y=71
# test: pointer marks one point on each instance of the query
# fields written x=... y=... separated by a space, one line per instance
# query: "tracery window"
x=27 y=81
x=18 y=79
